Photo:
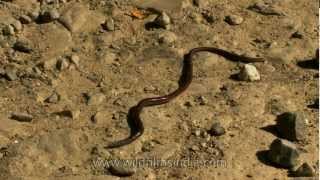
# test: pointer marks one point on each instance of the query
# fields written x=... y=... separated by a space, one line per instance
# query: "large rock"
x=283 y=153
x=292 y=126
x=76 y=15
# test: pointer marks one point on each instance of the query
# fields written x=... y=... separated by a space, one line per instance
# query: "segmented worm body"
x=137 y=127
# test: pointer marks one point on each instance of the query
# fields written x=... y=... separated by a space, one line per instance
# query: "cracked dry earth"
x=71 y=69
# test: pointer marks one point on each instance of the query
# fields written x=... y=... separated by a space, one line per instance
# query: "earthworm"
x=137 y=127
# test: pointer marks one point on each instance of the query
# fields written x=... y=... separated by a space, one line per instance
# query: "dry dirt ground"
x=73 y=68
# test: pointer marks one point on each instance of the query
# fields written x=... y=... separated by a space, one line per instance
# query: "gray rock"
x=163 y=20
x=23 y=117
x=249 y=73
x=121 y=170
x=109 y=25
x=292 y=126
x=216 y=129
x=234 y=19
x=283 y=153
x=23 y=46
x=305 y=170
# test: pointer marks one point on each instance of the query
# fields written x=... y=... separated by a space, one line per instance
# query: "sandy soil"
x=74 y=78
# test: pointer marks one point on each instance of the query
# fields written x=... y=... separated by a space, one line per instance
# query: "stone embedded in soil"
x=121 y=170
x=48 y=16
x=265 y=9
x=74 y=114
x=167 y=37
x=53 y=98
x=95 y=99
x=74 y=16
x=11 y=74
x=234 y=19
x=249 y=73
x=217 y=130
x=283 y=153
x=305 y=170
x=292 y=126
x=23 y=46
x=23 y=117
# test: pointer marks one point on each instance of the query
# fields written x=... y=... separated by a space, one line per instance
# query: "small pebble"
x=234 y=19
x=23 y=46
x=75 y=60
x=109 y=25
x=167 y=37
x=197 y=132
x=163 y=20
x=122 y=171
x=95 y=99
x=8 y=30
x=283 y=153
x=195 y=148
x=48 y=16
x=23 y=117
x=297 y=35
x=62 y=64
x=217 y=130
x=17 y=25
x=74 y=114
x=202 y=100
x=53 y=98
x=305 y=170
x=24 y=19
x=249 y=73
